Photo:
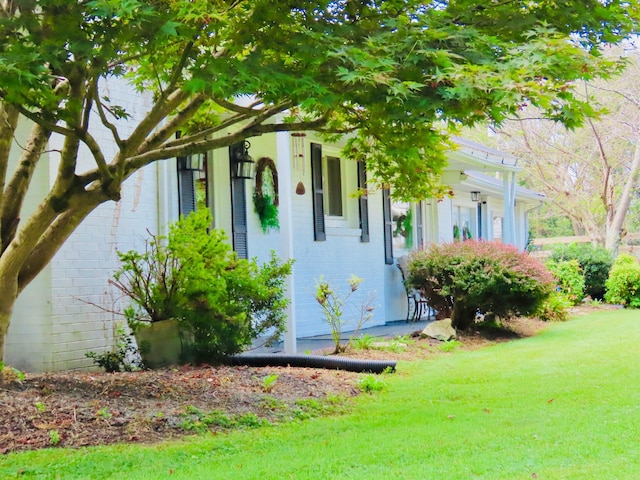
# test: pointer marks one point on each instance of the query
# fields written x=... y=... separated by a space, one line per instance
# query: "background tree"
x=590 y=173
x=392 y=72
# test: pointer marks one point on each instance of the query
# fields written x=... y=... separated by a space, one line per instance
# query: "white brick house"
x=66 y=311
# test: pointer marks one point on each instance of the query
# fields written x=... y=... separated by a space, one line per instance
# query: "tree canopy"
x=397 y=75
x=589 y=174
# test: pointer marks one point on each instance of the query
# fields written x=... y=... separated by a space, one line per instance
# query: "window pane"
x=333 y=187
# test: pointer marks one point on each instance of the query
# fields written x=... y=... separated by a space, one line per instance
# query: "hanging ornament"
x=299 y=162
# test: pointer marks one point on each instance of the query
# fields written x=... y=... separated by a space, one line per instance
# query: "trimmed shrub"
x=460 y=278
x=570 y=280
x=623 y=284
x=595 y=262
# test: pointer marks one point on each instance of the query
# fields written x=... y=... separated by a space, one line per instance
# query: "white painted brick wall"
x=75 y=285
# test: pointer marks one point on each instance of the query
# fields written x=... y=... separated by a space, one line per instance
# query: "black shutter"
x=364 y=202
x=388 y=227
x=186 y=188
x=238 y=210
x=419 y=228
x=319 y=233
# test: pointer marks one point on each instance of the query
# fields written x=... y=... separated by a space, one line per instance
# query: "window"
x=333 y=187
x=334 y=211
x=462 y=223
x=402 y=217
x=497 y=228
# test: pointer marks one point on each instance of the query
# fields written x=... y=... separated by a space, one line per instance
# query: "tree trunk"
x=9 y=289
x=462 y=315
x=614 y=227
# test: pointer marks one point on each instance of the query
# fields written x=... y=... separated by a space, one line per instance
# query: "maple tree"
x=398 y=75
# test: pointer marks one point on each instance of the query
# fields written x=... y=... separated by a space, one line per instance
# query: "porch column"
x=283 y=147
x=486 y=225
x=509 y=220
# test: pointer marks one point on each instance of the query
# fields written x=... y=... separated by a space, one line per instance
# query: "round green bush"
x=623 y=285
x=555 y=308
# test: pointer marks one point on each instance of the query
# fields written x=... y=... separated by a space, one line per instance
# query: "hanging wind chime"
x=299 y=159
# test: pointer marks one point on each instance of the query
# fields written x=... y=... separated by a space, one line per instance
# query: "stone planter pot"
x=159 y=343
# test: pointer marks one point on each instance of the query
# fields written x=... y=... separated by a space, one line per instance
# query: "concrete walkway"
x=320 y=342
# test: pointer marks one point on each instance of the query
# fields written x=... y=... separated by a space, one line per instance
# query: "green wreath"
x=266 y=203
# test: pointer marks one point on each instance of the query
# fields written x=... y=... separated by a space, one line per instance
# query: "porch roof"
x=473 y=156
x=495 y=186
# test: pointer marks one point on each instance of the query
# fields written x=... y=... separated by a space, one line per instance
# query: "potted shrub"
x=154 y=281
x=198 y=300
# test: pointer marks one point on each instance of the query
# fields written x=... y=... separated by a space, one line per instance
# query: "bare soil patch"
x=74 y=409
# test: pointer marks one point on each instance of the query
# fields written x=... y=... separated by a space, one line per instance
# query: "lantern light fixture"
x=193 y=163
x=475 y=196
x=242 y=162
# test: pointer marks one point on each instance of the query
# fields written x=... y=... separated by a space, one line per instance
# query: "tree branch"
x=98 y=156
x=164 y=152
x=176 y=75
x=47 y=125
x=8 y=123
x=16 y=190
x=105 y=121
x=237 y=108
x=168 y=129
x=56 y=234
x=159 y=111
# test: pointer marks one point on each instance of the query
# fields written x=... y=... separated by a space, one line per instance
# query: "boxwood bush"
x=460 y=278
x=623 y=284
x=595 y=261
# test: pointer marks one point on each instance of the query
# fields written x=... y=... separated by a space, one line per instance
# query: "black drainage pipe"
x=313 y=361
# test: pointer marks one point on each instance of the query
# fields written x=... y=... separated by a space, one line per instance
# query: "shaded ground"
x=76 y=409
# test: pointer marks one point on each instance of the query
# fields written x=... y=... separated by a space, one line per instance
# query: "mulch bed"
x=75 y=409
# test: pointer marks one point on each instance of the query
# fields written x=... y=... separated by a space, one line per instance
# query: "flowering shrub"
x=461 y=278
x=570 y=280
x=623 y=284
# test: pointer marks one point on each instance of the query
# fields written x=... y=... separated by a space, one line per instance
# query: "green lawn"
x=565 y=404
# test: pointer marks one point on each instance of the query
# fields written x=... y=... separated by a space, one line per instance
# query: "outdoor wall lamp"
x=242 y=162
x=475 y=196
x=194 y=163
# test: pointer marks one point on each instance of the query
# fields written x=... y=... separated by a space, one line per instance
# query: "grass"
x=563 y=405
